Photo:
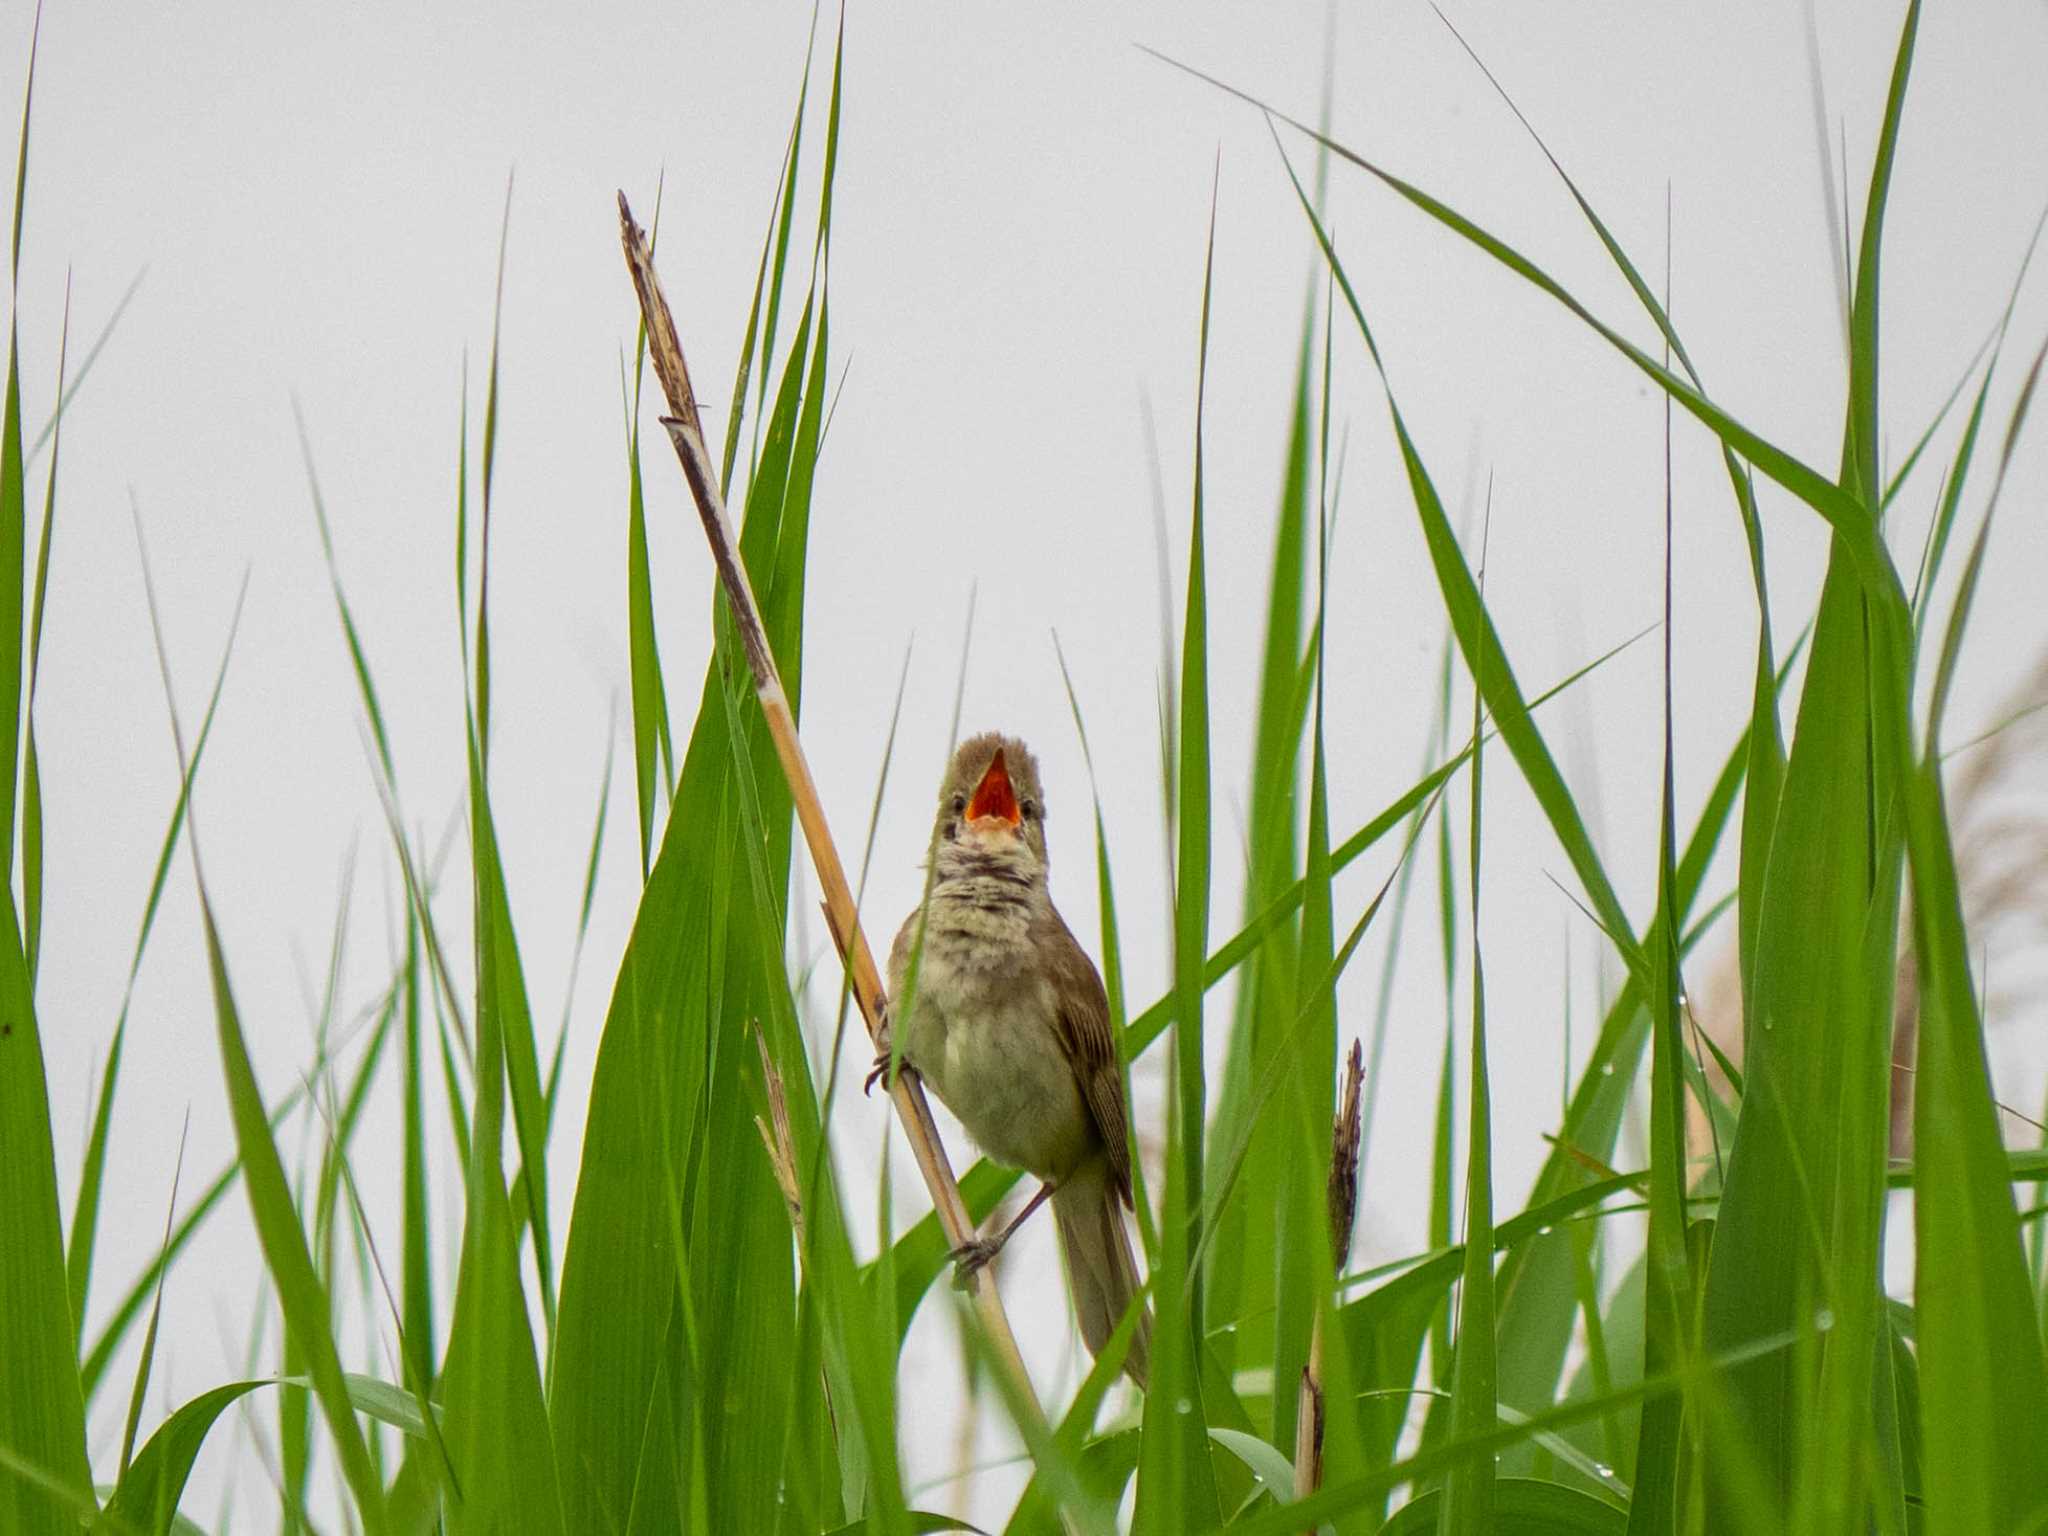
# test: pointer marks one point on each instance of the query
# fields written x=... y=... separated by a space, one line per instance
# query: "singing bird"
x=1009 y=1025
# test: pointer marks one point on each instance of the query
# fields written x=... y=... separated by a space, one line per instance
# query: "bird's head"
x=991 y=808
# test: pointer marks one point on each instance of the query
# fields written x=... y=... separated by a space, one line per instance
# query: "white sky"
x=315 y=195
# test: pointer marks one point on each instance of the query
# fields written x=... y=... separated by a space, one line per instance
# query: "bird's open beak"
x=994 y=796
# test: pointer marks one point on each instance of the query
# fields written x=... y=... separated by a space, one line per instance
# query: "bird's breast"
x=984 y=1037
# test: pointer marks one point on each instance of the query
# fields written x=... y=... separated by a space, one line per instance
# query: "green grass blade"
x=28 y=96
x=13 y=533
x=786 y=202
x=922 y=1253
x=138 y=1294
x=85 y=366
x=42 y=1411
x=650 y=694
x=147 y=1495
x=1242 y=1276
x=1176 y=1488
x=1655 y=1507
x=85 y=1210
x=857 y=1363
x=1802 y=1218
x=669 y=1079
x=300 y=1294
x=358 y=659
x=1065 y=1462
x=1983 y=1384
x=1818 y=1052
x=1301 y=1241
x=1950 y=500
x=1469 y=1492
x=1112 y=956
x=1341 y=1499
x=1767 y=749
x=1228 y=956
x=497 y=1432
x=1860 y=451
x=1443 y=1160
x=155 y=1313
x=481 y=695
x=416 y=1258
x=1480 y=642
x=1843 y=511
x=743 y=373
x=31 y=768
x=501 y=985
x=1526 y=1506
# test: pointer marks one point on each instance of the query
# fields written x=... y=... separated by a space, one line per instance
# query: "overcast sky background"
x=315 y=193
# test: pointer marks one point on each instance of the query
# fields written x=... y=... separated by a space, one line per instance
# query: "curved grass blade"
x=1480 y=641
x=300 y=1293
x=1767 y=744
x=1227 y=957
x=1527 y=1506
x=1844 y=511
x=147 y=1496
x=85 y=1211
x=1341 y=1499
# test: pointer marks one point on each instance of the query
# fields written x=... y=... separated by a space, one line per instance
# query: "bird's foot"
x=879 y=1072
x=973 y=1256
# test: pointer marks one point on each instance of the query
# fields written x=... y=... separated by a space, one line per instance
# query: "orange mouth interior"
x=994 y=796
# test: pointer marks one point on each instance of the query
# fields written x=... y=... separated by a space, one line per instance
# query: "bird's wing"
x=899 y=955
x=1083 y=1024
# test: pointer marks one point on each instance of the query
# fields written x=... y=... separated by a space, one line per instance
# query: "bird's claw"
x=879 y=1072
x=971 y=1257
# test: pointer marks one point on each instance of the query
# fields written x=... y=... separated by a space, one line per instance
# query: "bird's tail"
x=1102 y=1272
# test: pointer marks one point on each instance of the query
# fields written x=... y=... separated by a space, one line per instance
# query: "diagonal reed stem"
x=685 y=430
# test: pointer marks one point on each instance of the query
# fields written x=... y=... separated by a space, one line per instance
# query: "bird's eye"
x=959 y=804
x=1030 y=810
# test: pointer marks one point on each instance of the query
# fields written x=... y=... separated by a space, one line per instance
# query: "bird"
x=1008 y=1023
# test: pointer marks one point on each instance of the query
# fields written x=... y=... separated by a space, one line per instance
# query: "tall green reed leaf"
x=650 y=693
x=1176 y=1488
x=1983 y=1383
x=1469 y=1493
x=42 y=1412
x=1243 y=1276
x=497 y=1431
x=31 y=763
x=1655 y=1506
x=672 y=1173
x=1800 y=1226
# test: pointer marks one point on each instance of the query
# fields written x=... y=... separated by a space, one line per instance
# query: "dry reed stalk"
x=685 y=430
x=1343 y=1198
